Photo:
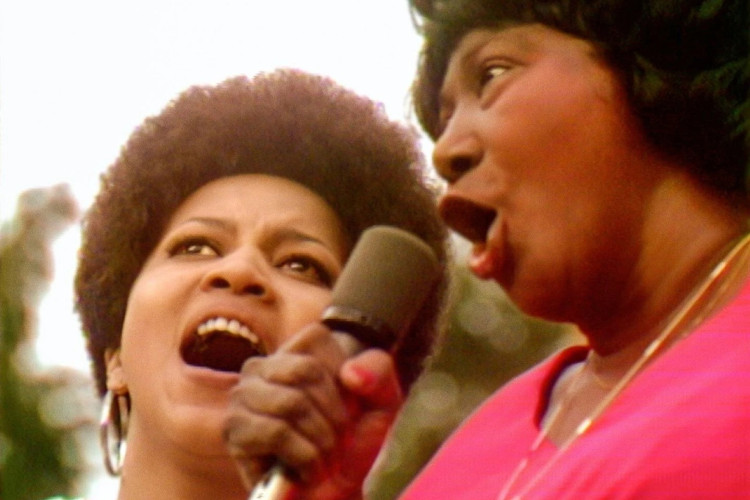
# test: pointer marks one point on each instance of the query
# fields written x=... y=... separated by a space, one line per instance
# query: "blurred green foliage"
x=39 y=457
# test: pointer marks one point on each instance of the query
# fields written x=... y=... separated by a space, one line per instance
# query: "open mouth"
x=221 y=344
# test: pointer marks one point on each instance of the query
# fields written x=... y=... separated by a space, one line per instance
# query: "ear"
x=115 y=374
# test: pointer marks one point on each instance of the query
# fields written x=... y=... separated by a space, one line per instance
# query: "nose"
x=242 y=273
x=457 y=149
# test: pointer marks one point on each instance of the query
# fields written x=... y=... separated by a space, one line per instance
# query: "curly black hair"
x=683 y=63
x=286 y=123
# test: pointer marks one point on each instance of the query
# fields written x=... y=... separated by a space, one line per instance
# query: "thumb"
x=371 y=376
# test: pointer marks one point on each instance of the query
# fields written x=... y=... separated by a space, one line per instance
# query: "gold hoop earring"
x=113 y=430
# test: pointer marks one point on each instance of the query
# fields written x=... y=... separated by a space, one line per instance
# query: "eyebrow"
x=291 y=234
x=210 y=221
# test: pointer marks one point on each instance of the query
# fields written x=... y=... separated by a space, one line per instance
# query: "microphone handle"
x=275 y=485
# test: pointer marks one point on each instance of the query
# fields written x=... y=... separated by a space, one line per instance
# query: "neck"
x=719 y=283
x=686 y=232
x=173 y=475
x=585 y=390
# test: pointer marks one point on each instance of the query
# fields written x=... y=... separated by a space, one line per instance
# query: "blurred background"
x=75 y=78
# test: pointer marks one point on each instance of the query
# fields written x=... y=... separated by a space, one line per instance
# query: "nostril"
x=453 y=169
x=255 y=290
x=219 y=283
x=459 y=166
x=242 y=275
x=251 y=289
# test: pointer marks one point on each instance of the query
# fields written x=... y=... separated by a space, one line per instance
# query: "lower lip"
x=487 y=258
x=212 y=378
x=485 y=261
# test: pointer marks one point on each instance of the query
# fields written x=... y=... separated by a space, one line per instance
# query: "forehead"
x=520 y=36
x=269 y=186
x=257 y=195
x=520 y=43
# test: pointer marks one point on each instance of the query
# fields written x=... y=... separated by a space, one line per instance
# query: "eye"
x=194 y=246
x=307 y=268
x=491 y=71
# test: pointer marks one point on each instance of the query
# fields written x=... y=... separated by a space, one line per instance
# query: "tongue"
x=220 y=352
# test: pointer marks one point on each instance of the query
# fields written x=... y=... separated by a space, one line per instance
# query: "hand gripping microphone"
x=382 y=287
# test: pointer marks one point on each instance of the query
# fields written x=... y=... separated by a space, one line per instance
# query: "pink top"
x=681 y=429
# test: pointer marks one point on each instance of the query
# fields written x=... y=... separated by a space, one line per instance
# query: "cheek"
x=303 y=305
x=561 y=119
x=150 y=319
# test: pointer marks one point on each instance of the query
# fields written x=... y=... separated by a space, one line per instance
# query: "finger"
x=317 y=388
x=288 y=404
x=254 y=452
x=251 y=469
x=372 y=376
x=317 y=340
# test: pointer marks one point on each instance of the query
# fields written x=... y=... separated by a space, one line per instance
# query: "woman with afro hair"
x=216 y=237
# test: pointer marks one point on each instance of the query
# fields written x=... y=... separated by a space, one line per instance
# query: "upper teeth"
x=222 y=324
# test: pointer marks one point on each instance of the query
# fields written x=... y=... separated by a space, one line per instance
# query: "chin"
x=539 y=305
x=203 y=437
x=197 y=427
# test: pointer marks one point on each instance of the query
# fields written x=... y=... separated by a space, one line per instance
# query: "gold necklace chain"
x=655 y=346
x=598 y=380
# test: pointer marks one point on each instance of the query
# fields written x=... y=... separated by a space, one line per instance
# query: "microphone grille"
x=383 y=285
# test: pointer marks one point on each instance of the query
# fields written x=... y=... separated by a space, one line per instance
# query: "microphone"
x=374 y=301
